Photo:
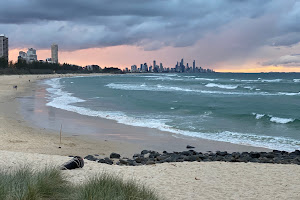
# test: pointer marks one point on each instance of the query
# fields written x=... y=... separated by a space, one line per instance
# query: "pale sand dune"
x=22 y=145
x=196 y=180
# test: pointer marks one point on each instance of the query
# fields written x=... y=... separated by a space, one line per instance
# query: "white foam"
x=263 y=80
x=166 y=88
x=271 y=80
x=289 y=94
x=296 y=80
x=258 y=116
x=250 y=81
x=281 y=120
x=249 y=87
x=277 y=120
x=206 y=79
x=229 y=87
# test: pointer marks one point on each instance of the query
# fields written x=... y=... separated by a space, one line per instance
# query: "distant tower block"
x=3 y=47
x=54 y=53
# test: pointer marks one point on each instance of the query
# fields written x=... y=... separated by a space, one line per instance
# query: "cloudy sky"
x=226 y=35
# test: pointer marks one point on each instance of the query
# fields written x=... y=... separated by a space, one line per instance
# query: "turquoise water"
x=254 y=109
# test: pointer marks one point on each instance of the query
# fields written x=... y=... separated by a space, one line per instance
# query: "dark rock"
x=193 y=152
x=101 y=161
x=265 y=160
x=108 y=161
x=296 y=161
x=150 y=162
x=219 y=158
x=297 y=152
x=227 y=158
x=223 y=153
x=189 y=147
x=187 y=153
x=140 y=160
x=270 y=155
x=123 y=162
x=162 y=157
x=254 y=154
x=236 y=155
x=284 y=153
x=145 y=152
x=96 y=154
x=165 y=152
x=115 y=155
x=154 y=154
x=132 y=163
x=276 y=151
x=174 y=157
x=285 y=162
x=91 y=157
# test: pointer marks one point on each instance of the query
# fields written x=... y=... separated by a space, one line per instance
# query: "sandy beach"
x=23 y=144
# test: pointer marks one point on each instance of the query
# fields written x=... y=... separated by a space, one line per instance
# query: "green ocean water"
x=254 y=109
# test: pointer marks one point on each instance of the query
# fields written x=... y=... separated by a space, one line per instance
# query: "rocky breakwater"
x=147 y=157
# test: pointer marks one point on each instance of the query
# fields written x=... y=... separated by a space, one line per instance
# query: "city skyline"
x=237 y=36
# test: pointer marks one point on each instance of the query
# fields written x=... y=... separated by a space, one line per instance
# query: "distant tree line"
x=38 y=67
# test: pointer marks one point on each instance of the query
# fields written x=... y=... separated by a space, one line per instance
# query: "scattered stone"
x=115 y=155
x=91 y=158
x=108 y=161
x=123 y=162
x=145 y=152
x=189 y=147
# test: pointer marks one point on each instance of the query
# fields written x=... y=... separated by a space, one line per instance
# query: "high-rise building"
x=154 y=64
x=3 y=47
x=31 y=55
x=161 y=67
x=194 y=66
x=133 y=68
x=54 y=53
x=22 y=55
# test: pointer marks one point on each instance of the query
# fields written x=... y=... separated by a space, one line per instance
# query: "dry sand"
x=188 y=180
x=22 y=145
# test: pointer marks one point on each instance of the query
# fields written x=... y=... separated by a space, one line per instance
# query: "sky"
x=224 y=35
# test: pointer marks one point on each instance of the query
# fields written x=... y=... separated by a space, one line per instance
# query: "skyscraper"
x=194 y=66
x=161 y=67
x=31 y=55
x=3 y=47
x=54 y=53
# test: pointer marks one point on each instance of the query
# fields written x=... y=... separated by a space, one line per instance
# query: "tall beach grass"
x=26 y=184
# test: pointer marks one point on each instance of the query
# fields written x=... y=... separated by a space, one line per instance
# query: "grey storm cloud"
x=286 y=60
x=150 y=24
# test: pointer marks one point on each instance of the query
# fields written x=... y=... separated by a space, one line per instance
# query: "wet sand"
x=16 y=134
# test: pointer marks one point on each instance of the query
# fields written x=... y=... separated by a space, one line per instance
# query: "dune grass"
x=109 y=187
x=25 y=184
